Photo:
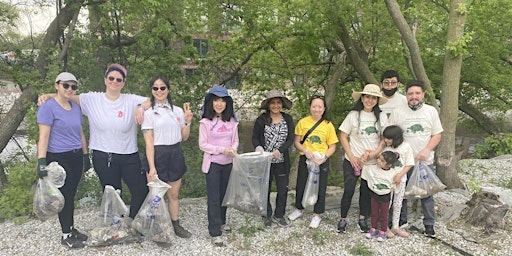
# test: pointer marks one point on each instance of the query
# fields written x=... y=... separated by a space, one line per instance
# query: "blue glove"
x=86 y=162
x=41 y=168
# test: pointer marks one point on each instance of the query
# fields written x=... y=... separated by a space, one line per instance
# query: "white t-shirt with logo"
x=112 y=123
x=165 y=123
x=394 y=102
x=418 y=126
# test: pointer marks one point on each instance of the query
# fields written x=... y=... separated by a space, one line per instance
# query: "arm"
x=302 y=148
x=187 y=116
x=42 y=143
x=235 y=142
x=150 y=153
x=257 y=133
x=354 y=161
x=139 y=111
x=203 y=141
x=290 y=138
x=45 y=97
x=431 y=145
x=398 y=176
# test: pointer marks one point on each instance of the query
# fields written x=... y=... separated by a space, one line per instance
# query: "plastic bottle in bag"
x=423 y=172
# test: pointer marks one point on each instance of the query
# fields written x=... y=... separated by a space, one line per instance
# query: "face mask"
x=389 y=93
x=416 y=107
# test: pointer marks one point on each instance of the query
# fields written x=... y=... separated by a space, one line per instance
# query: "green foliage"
x=89 y=190
x=494 y=145
x=17 y=196
x=360 y=249
x=473 y=185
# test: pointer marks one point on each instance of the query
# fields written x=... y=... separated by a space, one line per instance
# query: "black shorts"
x=169 y=162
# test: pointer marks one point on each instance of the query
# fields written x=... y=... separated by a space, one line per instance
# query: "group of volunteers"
x=383 y=136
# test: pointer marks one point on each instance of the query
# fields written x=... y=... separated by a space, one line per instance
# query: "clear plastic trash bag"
x=423 y=182
x=56 y=174
x=48 y=200
x=112 y=208
x=153 y=219
x=310 y=195
x=247 y=189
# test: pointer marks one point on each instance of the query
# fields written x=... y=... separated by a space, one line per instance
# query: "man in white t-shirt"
x=390 y=81
x=422 y=130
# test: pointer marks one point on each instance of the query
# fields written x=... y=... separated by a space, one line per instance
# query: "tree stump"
x=484 y=209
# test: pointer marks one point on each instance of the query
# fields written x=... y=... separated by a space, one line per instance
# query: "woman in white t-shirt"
x=164 y=127
x=359 y=132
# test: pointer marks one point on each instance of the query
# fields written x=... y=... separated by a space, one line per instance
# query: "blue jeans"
x=217 y=180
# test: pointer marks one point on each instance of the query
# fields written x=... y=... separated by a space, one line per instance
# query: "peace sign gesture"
x=187 y=112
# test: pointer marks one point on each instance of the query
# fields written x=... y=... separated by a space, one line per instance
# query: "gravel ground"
x=249 y=237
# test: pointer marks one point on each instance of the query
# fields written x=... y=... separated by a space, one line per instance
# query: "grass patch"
x=360 y=249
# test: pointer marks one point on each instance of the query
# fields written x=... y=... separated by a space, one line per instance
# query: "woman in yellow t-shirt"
x=323 y=140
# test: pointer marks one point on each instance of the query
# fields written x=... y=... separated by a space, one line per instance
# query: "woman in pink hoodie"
x=218 y=139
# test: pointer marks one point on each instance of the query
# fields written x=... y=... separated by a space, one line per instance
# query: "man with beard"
x=422 y=130
x=389 y=85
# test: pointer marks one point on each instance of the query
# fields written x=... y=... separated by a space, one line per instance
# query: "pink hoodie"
x=214 y=136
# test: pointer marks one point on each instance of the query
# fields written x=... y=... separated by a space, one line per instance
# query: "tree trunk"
x=15 y=115
x=446 y=158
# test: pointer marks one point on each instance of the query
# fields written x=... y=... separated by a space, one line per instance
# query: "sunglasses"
x=66 y=86
x=162 y=88
x=111 y=78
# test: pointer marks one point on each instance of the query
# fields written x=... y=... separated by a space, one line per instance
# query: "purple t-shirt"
x=65 y=126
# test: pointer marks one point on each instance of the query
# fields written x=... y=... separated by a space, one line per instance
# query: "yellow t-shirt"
x=318 y=140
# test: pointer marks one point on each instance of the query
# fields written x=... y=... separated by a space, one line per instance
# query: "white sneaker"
x=295 y=215
x=315 y=222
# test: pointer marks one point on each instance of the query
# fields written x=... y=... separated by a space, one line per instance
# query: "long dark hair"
x=266 y=114
x=210 y=113
x=166 y=82
x=358 y=106
x=395 y=133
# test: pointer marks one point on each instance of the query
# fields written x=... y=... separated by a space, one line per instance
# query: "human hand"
x=424 y=154
x=308 y=154
x=86 y=162
x=151 y=175
x=42 y=99
x=139 y=114
x=41 y=168
x=276 y=154
x=229 y=152
x=397 y=178
x=187 y=112
x=259 y=149
x=320 y=160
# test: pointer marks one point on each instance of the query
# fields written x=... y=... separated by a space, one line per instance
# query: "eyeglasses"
x=111 y=78
x=389 y=82
x=66 y=86
x=162 y=88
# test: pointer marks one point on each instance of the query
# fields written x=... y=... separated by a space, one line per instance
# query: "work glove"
x=41 y=168
x=86 y=162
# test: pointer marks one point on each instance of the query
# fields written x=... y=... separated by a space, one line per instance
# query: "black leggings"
x=72 y=162
x=111 y=168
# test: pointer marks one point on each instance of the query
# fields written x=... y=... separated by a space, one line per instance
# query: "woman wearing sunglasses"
x=164 y=127
x=113 y=134
x=62 y=140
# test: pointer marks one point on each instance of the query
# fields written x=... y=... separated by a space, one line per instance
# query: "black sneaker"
x=181 y=232
x=72 y=242
x=267 y=221
x=363 y=226
x=429 y=231
x=342 y=226
x=280 y=221
x=79 y=236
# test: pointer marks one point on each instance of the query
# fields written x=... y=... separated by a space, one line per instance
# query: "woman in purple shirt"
x=218 y=138
x=61 y=140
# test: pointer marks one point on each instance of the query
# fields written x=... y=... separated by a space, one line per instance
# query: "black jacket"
x=258 y=138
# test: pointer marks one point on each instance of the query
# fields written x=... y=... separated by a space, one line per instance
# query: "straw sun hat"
x=287 y=104
x=373 y=90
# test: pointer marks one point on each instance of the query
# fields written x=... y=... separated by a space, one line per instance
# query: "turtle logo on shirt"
x=369 y=130
x=314 y=139
x=381 y=186
x=415 y=128
x=397 y=164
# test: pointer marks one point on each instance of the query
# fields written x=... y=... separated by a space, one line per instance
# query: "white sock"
x=66 y=235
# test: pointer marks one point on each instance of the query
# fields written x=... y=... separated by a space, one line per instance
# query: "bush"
x=494 y=145
x=18 y=195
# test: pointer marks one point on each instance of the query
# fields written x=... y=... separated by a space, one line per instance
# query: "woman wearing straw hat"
x=273 y=132
x=359 y=132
